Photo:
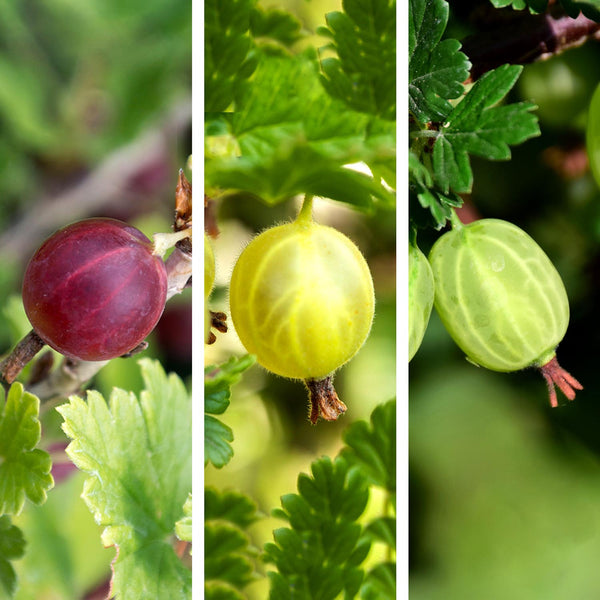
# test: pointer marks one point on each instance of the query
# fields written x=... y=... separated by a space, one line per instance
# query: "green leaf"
x=137 y=450
x=12 y=547
x=373 y=448
x=316 y=556
x=217 y=392
x=295 y=139
x=296 y=168
x=516 y=4
x=218 y=380
x=228 y=555
x=437 y=69
x=380 y=583
x=221 y=591
x=276 y=25
x=24 y=469
x=476 y=126
x=382 y=529
x=229 y=506
x=363 y=75
x=438 y=204
x=590 y=8
x=217 y=440
x=183 y=527
x=228 y=48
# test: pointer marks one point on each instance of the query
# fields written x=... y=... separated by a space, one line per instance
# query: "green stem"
x=455 y=221
x=305 y=215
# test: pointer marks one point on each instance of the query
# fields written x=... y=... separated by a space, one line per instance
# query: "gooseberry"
x=561 y=87
x=94 y=290
x=593 y=134
x=502 y=300
x=420 y=297
x=302 y=300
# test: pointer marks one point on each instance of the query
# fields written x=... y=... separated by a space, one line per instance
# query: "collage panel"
x=95 y=298
x=504 y=198
x=300 y=299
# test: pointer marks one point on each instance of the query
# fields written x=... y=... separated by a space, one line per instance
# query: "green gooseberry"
x=420 y=297
x=502 y=300
x=593 y=135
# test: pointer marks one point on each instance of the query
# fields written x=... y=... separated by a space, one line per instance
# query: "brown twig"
x=527 y=38
x=21 y=355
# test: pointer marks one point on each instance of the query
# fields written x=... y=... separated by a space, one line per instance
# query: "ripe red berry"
x=94 y=290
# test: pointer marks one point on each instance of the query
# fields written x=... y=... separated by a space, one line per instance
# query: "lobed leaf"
x=12 y=547
x=218 y=381
x=183 y=527
x=590 y=8
x=516 y=4
x=228 y=556
x=318 y=555
x=135 y=450
x=372 y=447
x=438 y=207
x=437 y=68
x=221 y=591
x=24 y=469
x=295 y=139
x=217 y=392
x=477 y=126
x=276 y=25
x=363 y=75
x=380 y=583
x=228 y=48
x=382 y=529
x=229 y=506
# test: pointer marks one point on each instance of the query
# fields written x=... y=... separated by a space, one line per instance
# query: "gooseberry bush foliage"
x=299 y=112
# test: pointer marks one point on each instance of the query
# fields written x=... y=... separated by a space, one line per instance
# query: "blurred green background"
x=504 y=490
x=95 y=120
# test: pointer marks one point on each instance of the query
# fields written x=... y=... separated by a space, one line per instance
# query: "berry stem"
x=324 y=401
x=455 y=220
x=164 y=241
x=305 y=214
x=554 y=374
x=22 y=353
